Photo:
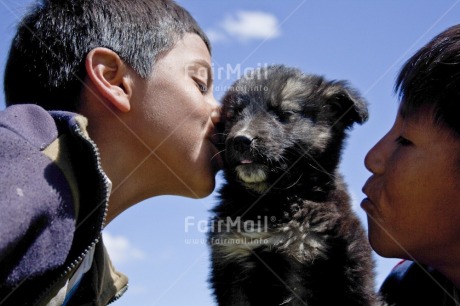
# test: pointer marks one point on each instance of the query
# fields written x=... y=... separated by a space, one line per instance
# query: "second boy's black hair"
x=431 y=79
x=46 y=63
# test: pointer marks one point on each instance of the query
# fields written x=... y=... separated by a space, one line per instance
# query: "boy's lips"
x=367 y=204
x=366 y=188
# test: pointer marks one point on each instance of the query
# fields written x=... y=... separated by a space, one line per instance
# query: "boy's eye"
x=201 y=87
x=403 y=141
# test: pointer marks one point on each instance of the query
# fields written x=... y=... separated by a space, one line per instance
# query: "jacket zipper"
x=119 y=294
x=100 y=172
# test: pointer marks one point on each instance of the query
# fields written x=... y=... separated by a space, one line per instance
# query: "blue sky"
x=364 y=42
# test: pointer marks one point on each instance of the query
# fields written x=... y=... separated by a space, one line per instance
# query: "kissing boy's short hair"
x=431 y=79
x=46 y=63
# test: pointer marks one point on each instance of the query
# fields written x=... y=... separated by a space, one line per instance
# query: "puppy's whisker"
x=318 y=166
x=217 y=154
x=292 y=185
x=321 y=170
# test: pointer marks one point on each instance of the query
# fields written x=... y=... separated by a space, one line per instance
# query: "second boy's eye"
x=403 y=141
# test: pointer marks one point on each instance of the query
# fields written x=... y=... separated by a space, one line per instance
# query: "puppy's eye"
x=287 y=115
x=234 y=112
x=229 y=114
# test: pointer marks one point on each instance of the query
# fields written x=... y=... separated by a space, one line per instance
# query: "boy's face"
x=174 y=113
x=413 y=202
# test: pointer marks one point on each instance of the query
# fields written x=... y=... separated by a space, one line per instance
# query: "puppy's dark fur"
x=284 y=232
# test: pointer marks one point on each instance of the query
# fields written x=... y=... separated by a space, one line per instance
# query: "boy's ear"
x=110 y=76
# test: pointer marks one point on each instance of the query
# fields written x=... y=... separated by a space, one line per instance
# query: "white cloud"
x=246 y=25
x=120 y=249
x=216 y=35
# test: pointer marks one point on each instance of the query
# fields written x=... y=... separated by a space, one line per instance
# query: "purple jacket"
x=53 y=202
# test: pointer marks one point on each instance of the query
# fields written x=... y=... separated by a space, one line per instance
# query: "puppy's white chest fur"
x=303 y=243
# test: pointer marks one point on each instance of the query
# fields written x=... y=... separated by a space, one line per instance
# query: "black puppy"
x=284 y=232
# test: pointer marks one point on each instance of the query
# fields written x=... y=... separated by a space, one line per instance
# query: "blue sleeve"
x=411 y=284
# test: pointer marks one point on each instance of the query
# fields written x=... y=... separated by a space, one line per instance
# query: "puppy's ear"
x=344 y=105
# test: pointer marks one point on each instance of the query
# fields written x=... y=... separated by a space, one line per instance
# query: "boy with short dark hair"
x=115 y=106
x=413 y=194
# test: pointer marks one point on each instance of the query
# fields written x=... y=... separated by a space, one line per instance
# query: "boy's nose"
x=375 y=158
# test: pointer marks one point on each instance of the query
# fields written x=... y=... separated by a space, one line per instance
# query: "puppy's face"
x=279 y=123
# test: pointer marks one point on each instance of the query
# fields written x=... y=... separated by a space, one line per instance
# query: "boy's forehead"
x=188 y=51
x=416 y=112
x=423 y=118
x=192 y=47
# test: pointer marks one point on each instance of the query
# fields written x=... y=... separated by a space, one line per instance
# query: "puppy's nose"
x=242 y=143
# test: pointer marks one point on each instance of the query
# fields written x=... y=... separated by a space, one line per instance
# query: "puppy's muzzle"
x=249 y=172
x=242 y=143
